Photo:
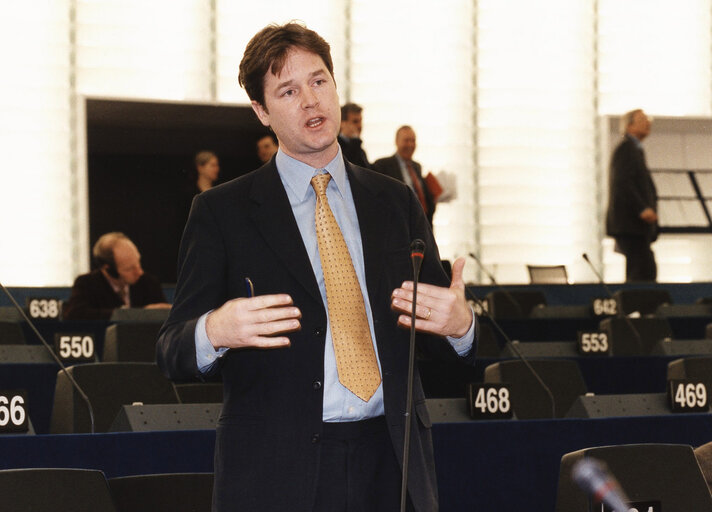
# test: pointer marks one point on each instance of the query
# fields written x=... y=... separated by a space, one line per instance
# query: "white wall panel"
x=655 y=55
x=35 y=141
x=536 y=156
x=237 y=22
x=412 y=63
x=156 y=49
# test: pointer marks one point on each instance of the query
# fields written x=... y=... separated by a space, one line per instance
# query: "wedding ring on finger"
x=430 y=311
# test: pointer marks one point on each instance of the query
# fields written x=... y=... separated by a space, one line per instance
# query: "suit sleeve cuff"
x=205 y=354
x=463 y=345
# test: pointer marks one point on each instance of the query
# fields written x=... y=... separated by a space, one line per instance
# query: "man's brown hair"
x=268 y=50
x=349 y=108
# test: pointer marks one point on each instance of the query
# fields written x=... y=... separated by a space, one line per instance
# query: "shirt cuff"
x=463 y=345
x=205 y=354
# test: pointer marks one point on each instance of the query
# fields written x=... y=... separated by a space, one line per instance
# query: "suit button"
x=315 y=438
x=316 y=385
x=318 y=331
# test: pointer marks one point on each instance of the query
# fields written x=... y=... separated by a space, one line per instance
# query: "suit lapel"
x=371 y=215
x=272 y=214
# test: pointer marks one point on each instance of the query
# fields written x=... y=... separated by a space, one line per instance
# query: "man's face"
x=641 y=125
x=405 y=143
x=351 y=127
x=210 y=169
x=302 y=107
x=266 y=148
x=128 y=261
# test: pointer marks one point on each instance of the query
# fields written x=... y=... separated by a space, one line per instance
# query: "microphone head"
x=417 y=248
x=593 y=477
x=585 y=256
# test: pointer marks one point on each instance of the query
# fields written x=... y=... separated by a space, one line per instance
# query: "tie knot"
x=320 y=182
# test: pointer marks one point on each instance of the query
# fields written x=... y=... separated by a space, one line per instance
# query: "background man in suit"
x=350 y=135
x=314 y=385
x=266 y=147
x=119 y=281
x=402 y=167
x=632 y=218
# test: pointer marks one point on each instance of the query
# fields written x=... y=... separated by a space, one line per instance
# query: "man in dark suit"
x=119 y=281
x=632 y=218
x=350 y=135
x=402 y=167
x=312 y=420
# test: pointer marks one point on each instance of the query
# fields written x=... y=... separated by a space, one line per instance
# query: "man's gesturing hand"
x=439 y=310
x=253 y=322
x=648 y=215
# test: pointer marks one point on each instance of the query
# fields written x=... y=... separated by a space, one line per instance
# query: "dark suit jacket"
x=267 y=447
x=630 y=191
x=93 y=298
x=352 y=150
x=390 y=167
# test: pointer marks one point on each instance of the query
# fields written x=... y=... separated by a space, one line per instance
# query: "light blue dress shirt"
x=339 y=403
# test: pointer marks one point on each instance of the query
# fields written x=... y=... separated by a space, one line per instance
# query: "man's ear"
x=261 y=112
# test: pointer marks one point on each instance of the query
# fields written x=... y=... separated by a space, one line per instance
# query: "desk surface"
x=483 y=466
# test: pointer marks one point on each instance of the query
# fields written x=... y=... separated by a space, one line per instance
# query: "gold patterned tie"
x=355 y=357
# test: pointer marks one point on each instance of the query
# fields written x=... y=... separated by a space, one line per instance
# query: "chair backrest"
x=665 y=473
x=158 y=315
x=10 y=314
x=698 y=369
x=487 y=344
x=635 y=336
x=514 y=303
x=529 y=399
x=703 y=454
x=11 y=333
x=55 y=490
x=645 y=301
x=176 y=492
x=108 y=386
x=131 y=342
x=548 y=274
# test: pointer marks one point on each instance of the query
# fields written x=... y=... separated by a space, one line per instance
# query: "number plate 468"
x=489 y=401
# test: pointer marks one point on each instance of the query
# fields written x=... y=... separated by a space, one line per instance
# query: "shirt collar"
x=297 y=175
x=635 y=140
x=402 y=161
x=117 y=287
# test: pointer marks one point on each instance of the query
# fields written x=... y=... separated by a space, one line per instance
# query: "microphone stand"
x=516 y=351
x=628 y=321
x=506 y=293
x=54 y=356
x=417 y=250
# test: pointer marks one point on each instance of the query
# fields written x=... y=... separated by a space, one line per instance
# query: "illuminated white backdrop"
x=504 y=94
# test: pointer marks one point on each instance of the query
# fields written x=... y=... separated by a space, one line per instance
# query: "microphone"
x=54 y=356
x=598 y=274
x=513 y=346
x=417 y=249
x=628 y=321
x=417 y=253
x=507 y=339
x=594 y=478
x=506 y=293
